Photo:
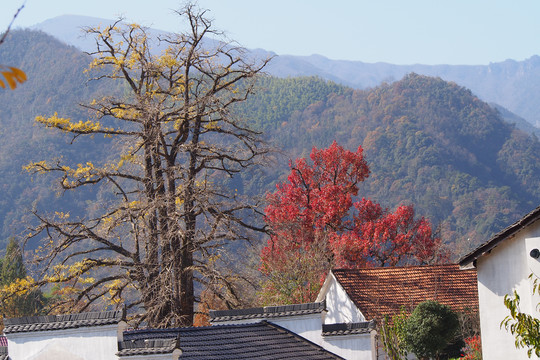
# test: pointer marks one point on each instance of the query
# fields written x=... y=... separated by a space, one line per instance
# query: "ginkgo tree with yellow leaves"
x=166 y=219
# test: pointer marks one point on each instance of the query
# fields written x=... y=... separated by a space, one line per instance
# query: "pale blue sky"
x=395 y=31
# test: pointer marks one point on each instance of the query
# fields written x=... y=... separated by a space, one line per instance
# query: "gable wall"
x=341 y=309
x=501 y=272
x=307 y=326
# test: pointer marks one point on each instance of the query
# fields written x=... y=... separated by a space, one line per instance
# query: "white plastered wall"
x=357 y=347
x=505 y=269
x=86 y=343
x=341 y=309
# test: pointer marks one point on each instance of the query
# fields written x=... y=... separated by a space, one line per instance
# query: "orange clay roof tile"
x=384 y=291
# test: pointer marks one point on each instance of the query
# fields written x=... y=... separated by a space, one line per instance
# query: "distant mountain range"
x=511 y=84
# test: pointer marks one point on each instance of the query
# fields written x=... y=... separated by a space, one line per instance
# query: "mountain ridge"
x=509 y=83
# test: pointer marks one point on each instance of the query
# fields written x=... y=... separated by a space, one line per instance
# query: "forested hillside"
x=432 y=144
x=427 y=142
x=56 y=83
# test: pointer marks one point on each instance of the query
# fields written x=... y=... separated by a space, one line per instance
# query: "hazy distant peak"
x=69 y=29
x=71 y=20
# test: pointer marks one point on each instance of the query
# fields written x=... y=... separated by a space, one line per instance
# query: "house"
x=348 y=340
x=73 y=336
x=371 y=293
x=258 y=340
x=103 y=335
x=340 y=325
x=503 y=265
x=343 y=318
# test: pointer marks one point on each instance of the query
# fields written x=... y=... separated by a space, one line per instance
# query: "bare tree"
x=169 y=218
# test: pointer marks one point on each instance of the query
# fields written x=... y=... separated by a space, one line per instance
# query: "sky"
x=468 y=32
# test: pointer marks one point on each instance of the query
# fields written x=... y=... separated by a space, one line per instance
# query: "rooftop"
x=267 y=312
x=348 y=328
x=470 y=258
x=261 y=340
x=58 y=322
x=384 y=291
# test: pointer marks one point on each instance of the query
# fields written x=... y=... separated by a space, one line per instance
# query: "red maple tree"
x=317 y=225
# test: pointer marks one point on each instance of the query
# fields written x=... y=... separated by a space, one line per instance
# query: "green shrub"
x=430 y=329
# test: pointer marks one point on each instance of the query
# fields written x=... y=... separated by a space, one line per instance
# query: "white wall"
x=88 y=343
x=357 y=347
x=501 y=272
x=340 y=307
x=307 y=326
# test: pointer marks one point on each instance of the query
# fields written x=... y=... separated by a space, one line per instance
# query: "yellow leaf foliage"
x=12 y=76
x=17 y=288
x=65 y=124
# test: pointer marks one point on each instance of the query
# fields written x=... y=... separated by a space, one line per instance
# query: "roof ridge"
x=388 y=268
x=146 y=343
x=348 y=328
x=65 y=321
x=45 y=319
x=182 y=329
x=268 y=311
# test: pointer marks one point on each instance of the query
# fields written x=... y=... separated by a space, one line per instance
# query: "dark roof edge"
x=270 y=310
x=137 y=347
x=49 y=319
x=312 y=344
x=363 y=327
x=468 y=259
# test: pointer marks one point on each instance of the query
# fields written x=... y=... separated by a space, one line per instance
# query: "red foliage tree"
x=316 y=225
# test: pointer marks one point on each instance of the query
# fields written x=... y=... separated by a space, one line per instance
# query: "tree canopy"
x=317 y=224
x=15 y=301
x=163 y=217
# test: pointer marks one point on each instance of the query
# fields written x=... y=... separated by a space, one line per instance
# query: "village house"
x=343 y=318
x=104 y=336
x=503 y=264
x=341 y=324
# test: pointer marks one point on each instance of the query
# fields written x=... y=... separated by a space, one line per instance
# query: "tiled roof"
x=261 y=341
x=3 y=341
x=528 y=219
x=146 y=347
x=4 y=353
x=348 y=328
x=57 y=322
x=384 y=291
x=267 y=312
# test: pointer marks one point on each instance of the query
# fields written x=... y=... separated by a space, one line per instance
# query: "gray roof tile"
x=267 y=312
x=348 y=328
x=262 y=341
x=57 y=322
